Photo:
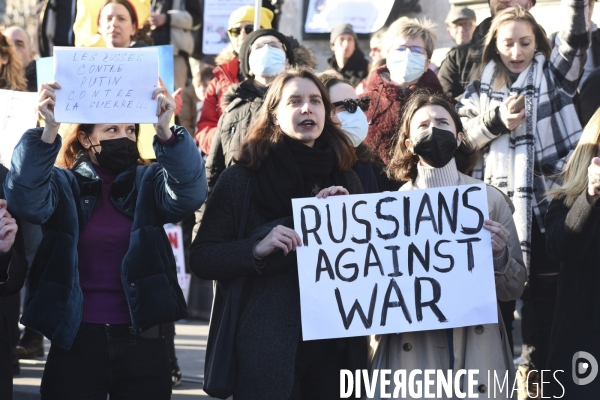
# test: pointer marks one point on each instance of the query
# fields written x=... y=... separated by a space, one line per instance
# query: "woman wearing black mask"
x=431 y=152
x=104 y=280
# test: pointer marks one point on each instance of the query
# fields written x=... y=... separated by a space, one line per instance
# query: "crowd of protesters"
x=81 y=213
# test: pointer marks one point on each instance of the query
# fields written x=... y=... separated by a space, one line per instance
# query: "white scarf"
x=509 y=163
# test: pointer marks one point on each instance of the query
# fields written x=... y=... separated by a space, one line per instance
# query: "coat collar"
x=123 y=193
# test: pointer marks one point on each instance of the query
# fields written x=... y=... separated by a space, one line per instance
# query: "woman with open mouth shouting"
x=293 y=150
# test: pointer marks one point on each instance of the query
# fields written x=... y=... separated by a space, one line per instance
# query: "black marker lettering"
x=352 y=266
x=367 y=321
x=314 y=230
x=364 y=222
x=387 y=304
x=470 y=257
x=344 y=225
x=437 y=294
x=394 y=233
x=465 y=200
x=440 y=255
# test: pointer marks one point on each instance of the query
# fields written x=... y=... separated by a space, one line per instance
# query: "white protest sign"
x=394 y=262
x=18 y=112
x=105 y=85
x=175 y=236
x=366 y=16
x=216 y=21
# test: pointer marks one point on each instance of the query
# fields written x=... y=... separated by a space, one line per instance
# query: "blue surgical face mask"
x=267 y=61
x=405 y=66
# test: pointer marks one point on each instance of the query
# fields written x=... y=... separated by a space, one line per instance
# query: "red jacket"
x=225 y=76
x=386 y=116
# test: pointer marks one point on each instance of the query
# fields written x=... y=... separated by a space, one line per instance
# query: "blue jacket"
x=62 y=201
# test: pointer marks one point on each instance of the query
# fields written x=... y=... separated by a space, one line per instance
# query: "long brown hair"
x=403 y=163
x=490 y=52
x=72 y=148
x=11 y=73
x=264 y=134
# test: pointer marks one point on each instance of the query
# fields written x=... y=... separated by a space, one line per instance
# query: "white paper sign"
x=174 y=234
x=394 y=262
x=18 y=112
x=366 y=16
x=105 y=85
x=216 y=21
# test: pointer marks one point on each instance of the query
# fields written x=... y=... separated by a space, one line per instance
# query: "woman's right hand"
x=593 y=189
x=280 y=238
x=511 y=121
x=46 y=104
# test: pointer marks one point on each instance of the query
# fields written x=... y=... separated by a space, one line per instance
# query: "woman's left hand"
x=332 y=191
x=500 y=236
x=165 y=107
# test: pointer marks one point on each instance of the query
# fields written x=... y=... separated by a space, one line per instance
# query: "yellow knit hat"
x=246 y=14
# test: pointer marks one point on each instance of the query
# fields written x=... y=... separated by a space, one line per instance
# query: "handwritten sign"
x=105 y=85
x=18 y=112
x=394 y=262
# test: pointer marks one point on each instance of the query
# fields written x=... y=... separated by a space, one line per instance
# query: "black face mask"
x=435 y=146
x=117 y=155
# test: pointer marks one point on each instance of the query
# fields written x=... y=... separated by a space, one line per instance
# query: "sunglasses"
x=351 y=105
x=235 y=32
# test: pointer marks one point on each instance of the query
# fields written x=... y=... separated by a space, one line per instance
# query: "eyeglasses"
x=235 y=32
x=413 y=49
x=273 y=45
x=351 y=105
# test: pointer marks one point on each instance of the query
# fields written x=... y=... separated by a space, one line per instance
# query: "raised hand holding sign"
x=106 y=84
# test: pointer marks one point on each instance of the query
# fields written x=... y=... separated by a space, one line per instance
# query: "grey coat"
x=269 y=327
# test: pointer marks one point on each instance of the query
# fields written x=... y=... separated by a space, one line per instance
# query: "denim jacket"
x=62 y=201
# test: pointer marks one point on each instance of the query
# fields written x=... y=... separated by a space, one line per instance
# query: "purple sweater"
x=101 y=248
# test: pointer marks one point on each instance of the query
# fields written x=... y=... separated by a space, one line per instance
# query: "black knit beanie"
x=251 y=38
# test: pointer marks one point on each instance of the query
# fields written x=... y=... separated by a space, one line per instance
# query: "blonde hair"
x=575 y=176
x=490 y=51
x=11 y=74
x=412 y=28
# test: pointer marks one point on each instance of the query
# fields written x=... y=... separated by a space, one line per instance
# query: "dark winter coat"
x=573 y=238
x=243 y=102
x=13 y=269
x=356 y=68
x=385 y=110
x=62 y=201
x=455 y=71
x=269 y=325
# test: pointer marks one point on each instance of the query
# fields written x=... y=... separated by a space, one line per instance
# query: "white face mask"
x=354 y=125
x=267 y=61
x=405 y=66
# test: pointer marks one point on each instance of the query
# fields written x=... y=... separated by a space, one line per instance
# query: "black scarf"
x=293 y=170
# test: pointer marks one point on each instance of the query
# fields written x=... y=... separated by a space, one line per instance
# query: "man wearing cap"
x=460 y=24
x=455 y=70
x=227 y=72
x=347 y=58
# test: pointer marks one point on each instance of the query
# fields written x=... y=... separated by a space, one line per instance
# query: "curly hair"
x=403 y=164
x=11 y=73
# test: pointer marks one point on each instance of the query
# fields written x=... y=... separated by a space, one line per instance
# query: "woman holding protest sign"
x=293 y=150
x=572 y=238
x=104 y=278
x=432 y=152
